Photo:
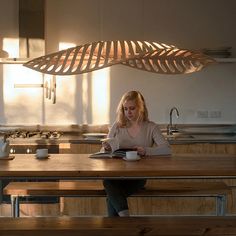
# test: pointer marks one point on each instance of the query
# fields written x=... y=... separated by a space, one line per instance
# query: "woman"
x=132 y=129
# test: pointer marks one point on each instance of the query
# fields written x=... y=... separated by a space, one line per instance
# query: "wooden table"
x=62 y=166
x=80 y=166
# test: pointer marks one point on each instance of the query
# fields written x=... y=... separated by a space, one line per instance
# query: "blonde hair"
x=138 y=98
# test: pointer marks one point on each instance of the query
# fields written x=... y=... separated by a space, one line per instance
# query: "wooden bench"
x=125 y=226
x=83 y=188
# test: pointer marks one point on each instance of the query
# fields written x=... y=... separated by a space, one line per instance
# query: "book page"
x=101 y=154
x=117 y=153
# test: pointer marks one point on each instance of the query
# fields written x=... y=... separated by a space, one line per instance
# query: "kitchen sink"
x=178 y=136
x=200 y=136
x=204 y=129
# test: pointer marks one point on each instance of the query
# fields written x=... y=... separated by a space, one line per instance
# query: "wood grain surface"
x=81 y=166
x=197 y=226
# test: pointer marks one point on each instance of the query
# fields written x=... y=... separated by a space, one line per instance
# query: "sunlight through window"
x=100 y=96
x=22 y=105
x=11 y=45
x=17 y=74
x=64 y=45
x=85 y=98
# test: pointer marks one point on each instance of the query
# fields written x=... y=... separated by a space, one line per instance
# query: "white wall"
x=185 y=23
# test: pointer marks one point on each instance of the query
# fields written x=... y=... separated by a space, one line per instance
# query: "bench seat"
x=125 y=226
x=85 y=188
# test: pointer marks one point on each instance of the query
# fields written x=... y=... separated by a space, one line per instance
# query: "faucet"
x=170 y=128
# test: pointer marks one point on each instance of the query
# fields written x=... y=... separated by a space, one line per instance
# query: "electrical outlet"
x=202 y=114
x=215 y=114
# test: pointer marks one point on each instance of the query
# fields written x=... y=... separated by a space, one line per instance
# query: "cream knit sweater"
x=149 y=137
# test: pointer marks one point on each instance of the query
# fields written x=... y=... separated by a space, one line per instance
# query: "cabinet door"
x=79 y=148
x=176 y=148
x=224 y=148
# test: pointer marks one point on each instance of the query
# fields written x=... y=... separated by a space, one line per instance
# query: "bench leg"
x=15 y=208
x=220 y=205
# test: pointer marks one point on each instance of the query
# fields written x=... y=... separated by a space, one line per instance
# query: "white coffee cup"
x=40 y=153
x=132 y=155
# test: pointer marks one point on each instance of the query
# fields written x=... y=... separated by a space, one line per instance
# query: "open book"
x=117 y=153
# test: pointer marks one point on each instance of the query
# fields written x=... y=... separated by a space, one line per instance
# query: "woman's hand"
x=106 y=146
x=141 y=150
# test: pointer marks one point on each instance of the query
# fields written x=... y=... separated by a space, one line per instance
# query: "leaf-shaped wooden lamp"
x=148 y=56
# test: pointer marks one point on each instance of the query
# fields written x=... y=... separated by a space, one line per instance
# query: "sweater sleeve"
x=112 y=139
x=160 y=146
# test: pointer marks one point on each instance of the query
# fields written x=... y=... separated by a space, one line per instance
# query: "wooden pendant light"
x=148 y=56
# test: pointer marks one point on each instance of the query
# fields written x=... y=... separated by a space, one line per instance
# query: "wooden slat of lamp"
x=148 y=56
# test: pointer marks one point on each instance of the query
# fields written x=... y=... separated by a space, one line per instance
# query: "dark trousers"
x=118 y=191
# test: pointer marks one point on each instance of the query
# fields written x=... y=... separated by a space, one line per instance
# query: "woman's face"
x=130 y=110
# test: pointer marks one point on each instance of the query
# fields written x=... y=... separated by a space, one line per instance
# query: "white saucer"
x=136 y=159
x=42 y=157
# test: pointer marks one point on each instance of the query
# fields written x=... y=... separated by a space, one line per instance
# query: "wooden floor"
x=114 y=226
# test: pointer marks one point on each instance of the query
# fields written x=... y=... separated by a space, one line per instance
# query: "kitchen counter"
x=204 y=138
x=203 y=134
x=175 y=139
x=185 y=134
x=65 y=138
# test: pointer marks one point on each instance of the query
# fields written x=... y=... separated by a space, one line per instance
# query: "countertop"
x=186 y=134
x=203 y=134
